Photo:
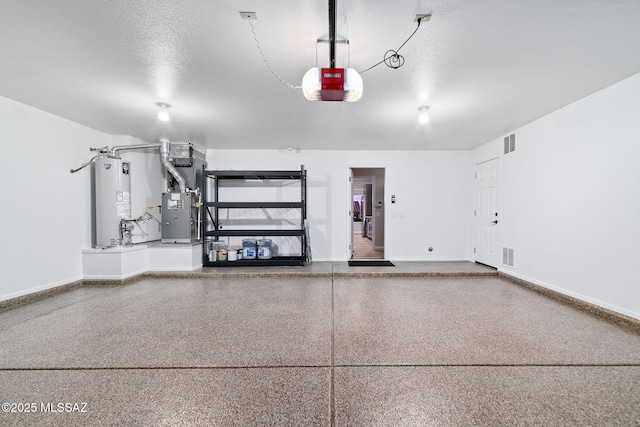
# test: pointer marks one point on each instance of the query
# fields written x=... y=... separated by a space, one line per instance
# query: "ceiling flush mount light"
x=423 y=118
x=163 y=114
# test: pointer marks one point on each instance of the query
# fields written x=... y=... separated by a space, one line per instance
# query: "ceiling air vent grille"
x=510 y=143
x=507 y=256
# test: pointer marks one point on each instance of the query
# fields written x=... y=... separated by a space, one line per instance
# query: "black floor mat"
x=373 y=263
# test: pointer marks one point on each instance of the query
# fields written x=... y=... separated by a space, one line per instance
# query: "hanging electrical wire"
x=264 y=58
x=392 y=58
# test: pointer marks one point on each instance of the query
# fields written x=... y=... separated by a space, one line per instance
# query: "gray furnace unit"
x=180 y=215
x=181 y=210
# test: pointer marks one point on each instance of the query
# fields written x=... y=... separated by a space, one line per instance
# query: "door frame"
x=384 y=216
x=496 y=261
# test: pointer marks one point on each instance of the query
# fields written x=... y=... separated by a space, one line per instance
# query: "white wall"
x=571 y=198
x=46 y=212
x=433 y=194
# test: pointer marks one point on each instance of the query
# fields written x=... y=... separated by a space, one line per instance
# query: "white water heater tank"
x=111 y=200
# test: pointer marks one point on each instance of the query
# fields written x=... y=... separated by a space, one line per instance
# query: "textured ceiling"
x=483 y=67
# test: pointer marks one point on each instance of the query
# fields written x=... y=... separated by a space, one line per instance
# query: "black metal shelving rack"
x=212 y=230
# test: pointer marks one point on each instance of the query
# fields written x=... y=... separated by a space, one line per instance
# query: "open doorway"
x=367 y=222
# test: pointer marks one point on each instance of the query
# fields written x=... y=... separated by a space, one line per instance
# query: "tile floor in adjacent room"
x=316 y=346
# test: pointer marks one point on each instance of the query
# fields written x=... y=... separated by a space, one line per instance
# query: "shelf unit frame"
x=210 y=215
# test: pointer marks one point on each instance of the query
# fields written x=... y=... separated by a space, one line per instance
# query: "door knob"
x=494 y=222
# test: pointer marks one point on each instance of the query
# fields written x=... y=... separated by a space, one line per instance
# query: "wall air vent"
x=510 y=143
x=507 y=256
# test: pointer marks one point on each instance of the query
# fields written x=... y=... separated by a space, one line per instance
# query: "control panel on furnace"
x=175 y=205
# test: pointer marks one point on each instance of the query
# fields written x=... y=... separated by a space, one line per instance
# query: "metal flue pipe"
x=165 y=147
x=113 y=151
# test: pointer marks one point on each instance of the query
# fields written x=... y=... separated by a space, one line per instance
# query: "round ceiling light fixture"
x=423 y=118
x=163 y=114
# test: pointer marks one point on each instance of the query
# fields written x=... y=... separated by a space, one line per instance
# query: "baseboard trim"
x=40 y=295
x=605 y=313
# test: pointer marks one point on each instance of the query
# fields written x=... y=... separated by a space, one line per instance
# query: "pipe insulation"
x=165 y=148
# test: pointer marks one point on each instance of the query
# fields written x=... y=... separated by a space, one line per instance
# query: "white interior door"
x=486 y=220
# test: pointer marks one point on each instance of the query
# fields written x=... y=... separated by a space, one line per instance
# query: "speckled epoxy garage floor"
x=317 y=347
